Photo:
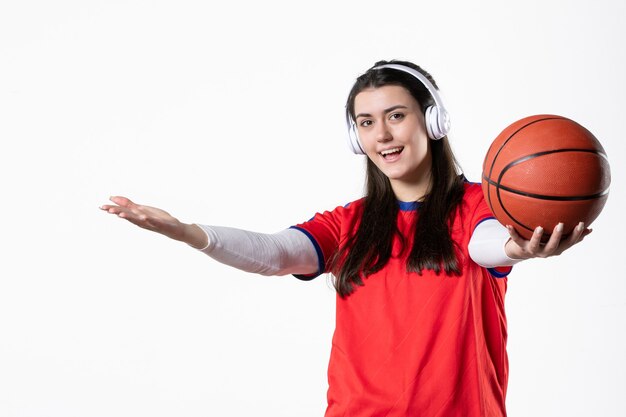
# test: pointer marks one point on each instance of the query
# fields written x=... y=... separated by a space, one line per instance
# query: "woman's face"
x=392 y=132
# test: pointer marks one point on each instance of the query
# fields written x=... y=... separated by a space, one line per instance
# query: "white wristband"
x=486 y=247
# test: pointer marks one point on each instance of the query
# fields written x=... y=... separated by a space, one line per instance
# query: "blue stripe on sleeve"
x=484 y=220
x=320 y=256
x=497 y=274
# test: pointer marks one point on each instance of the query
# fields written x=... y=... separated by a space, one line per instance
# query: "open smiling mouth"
x=391 y=153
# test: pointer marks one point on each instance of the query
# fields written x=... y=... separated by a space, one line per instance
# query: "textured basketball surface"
x=545 y=169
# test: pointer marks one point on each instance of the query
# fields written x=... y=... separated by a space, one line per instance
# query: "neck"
x=407 y=190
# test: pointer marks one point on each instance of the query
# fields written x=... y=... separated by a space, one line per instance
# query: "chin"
x=396 y=172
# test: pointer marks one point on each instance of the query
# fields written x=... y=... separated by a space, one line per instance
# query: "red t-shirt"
x=416 y=345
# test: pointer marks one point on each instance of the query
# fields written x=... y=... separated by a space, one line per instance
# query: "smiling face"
x=391 y=128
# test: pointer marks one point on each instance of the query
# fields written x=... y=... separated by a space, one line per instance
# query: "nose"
x=382 y=133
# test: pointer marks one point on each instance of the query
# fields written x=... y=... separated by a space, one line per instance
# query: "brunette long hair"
x=369 y=249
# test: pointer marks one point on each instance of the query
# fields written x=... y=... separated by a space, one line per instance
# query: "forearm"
x=285 y=252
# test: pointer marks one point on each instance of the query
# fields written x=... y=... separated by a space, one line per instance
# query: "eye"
x=396 y=116
x=365 y=123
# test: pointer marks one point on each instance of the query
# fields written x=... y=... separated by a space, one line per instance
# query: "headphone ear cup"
x=428 y=121
x=354 y=143
x=437 y=122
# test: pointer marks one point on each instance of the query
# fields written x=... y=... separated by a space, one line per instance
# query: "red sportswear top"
x=416 y=345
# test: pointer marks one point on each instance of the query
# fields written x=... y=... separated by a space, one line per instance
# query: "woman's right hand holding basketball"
x=156 y=220
x=519 y=248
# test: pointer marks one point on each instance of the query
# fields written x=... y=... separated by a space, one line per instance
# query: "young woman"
x=419 y=263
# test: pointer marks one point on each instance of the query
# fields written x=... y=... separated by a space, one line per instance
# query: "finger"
x=121 y=212
x=586 y=233
x=535 y=241
x=133 y=214
x=107 y=207
x=577 y=234
x=115 y=209
x=555 y=239
x=111 y=208
x=515 y=237
x=122 y=201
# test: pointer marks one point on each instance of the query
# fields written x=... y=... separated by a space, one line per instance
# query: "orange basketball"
x=545 y=169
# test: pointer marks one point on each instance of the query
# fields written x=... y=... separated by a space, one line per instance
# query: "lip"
x=393 y=156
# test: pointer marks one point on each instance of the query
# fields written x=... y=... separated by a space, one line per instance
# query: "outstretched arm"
x=285 y=252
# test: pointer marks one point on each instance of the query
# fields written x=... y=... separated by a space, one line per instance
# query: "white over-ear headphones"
x=436 y=117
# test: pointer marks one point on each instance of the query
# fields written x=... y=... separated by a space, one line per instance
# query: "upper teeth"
x=392 y=150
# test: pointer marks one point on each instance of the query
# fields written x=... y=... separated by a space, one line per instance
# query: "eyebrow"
x=390 y=109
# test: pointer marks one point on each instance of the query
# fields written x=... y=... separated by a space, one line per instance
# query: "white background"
x=232 y=114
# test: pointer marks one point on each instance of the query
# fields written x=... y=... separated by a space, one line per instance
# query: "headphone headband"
x=421 y=77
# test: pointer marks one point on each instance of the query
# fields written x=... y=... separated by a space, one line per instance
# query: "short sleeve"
x=481 y=212
x=325 y=232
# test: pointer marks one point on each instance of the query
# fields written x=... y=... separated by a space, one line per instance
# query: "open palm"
x=150 y=218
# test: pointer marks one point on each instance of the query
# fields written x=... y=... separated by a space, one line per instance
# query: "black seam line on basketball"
x=519 y=223
x=546 y=197
x=539 y=196
x=493 y=162
x=535 y=155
